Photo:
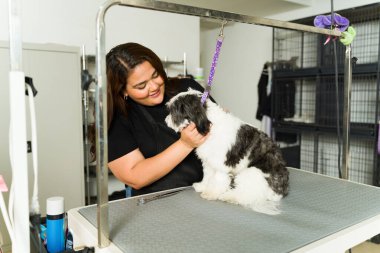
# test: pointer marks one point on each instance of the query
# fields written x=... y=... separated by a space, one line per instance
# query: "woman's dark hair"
x=120 y=61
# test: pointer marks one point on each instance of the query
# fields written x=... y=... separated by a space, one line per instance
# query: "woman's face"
x=144 y=85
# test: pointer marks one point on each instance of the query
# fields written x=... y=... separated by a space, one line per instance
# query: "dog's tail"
x=278 y=178
x=267 y=156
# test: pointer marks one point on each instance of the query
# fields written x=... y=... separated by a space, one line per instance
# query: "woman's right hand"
x=191 y=137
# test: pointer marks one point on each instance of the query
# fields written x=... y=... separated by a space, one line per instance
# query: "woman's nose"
x=153 y=84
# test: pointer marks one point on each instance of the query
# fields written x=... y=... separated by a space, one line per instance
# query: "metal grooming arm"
x=101 y=88
x=346 y=113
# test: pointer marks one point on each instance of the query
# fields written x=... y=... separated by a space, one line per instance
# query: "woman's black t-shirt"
x=145 y=129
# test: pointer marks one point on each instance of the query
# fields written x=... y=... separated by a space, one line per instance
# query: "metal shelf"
x=360 y=130
x=369 y=68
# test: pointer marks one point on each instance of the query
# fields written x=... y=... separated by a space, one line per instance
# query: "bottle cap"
x=55 y=205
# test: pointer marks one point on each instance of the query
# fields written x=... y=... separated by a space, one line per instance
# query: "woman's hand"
x=191 y=137
x=137 y=171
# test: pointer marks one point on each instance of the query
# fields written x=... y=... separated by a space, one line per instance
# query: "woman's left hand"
x=191 y=137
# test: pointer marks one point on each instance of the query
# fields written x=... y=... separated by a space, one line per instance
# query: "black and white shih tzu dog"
x=241 y=164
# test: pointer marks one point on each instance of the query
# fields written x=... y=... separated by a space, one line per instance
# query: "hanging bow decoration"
x=340 y=23
x=324 y=21
x=348 y=36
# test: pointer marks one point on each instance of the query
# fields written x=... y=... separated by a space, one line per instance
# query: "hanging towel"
x=264 y=103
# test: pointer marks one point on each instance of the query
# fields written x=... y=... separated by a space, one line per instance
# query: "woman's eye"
x=141 y=86
x=155 y=75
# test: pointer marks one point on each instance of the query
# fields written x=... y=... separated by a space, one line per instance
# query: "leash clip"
x=222 y=28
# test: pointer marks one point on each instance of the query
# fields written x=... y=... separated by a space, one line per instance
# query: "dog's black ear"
x=201 y=121
x=203 y=125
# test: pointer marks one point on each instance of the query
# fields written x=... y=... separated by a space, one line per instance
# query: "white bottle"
x=199 y=77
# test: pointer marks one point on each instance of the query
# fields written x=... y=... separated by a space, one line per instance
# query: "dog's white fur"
x=251 y=188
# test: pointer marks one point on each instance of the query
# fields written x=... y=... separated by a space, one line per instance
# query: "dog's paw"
x=210 y=195
x=199 y=187
x=229 y=197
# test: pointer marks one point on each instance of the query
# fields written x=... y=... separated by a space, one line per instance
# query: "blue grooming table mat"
x=317 y=206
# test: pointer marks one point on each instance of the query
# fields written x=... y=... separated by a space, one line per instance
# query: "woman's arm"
x=137 y=171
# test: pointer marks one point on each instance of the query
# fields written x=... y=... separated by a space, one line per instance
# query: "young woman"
x=142 y=151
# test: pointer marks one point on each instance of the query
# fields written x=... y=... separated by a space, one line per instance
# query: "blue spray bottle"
x=55 y=223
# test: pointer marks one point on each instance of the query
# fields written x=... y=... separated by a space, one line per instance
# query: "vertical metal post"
x=166 y=65
x=21 y=242
x=101 y=130
x=316 y=154
x=299 y=113
x=184 y=65
x=346 y=113
x=85 y=128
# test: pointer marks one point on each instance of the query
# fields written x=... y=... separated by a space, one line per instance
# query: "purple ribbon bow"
x=324 y=21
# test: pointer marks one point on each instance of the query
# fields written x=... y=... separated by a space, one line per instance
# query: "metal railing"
x=101 y=88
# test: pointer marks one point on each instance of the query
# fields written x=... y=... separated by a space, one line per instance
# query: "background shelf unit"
x=304 y=97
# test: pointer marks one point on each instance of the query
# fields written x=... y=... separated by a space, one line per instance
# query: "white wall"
x=245 y=50
x=72 y=22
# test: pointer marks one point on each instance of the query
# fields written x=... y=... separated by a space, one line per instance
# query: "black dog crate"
x=305 y=103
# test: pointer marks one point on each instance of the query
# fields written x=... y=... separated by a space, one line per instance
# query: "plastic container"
x=55 y=223
x=199 y=76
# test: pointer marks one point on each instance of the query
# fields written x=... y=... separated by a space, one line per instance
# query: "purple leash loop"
x=219 y=43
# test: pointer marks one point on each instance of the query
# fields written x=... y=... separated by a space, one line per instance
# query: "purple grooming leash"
x=219 y=42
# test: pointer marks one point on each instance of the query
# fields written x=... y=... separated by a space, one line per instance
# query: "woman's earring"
x=125 y=97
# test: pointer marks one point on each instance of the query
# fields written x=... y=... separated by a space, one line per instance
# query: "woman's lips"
x=155 y=94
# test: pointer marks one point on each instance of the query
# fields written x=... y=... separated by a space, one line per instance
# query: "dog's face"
x=186 y=107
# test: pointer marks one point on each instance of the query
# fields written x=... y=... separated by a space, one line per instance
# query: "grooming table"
x=320 y=214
